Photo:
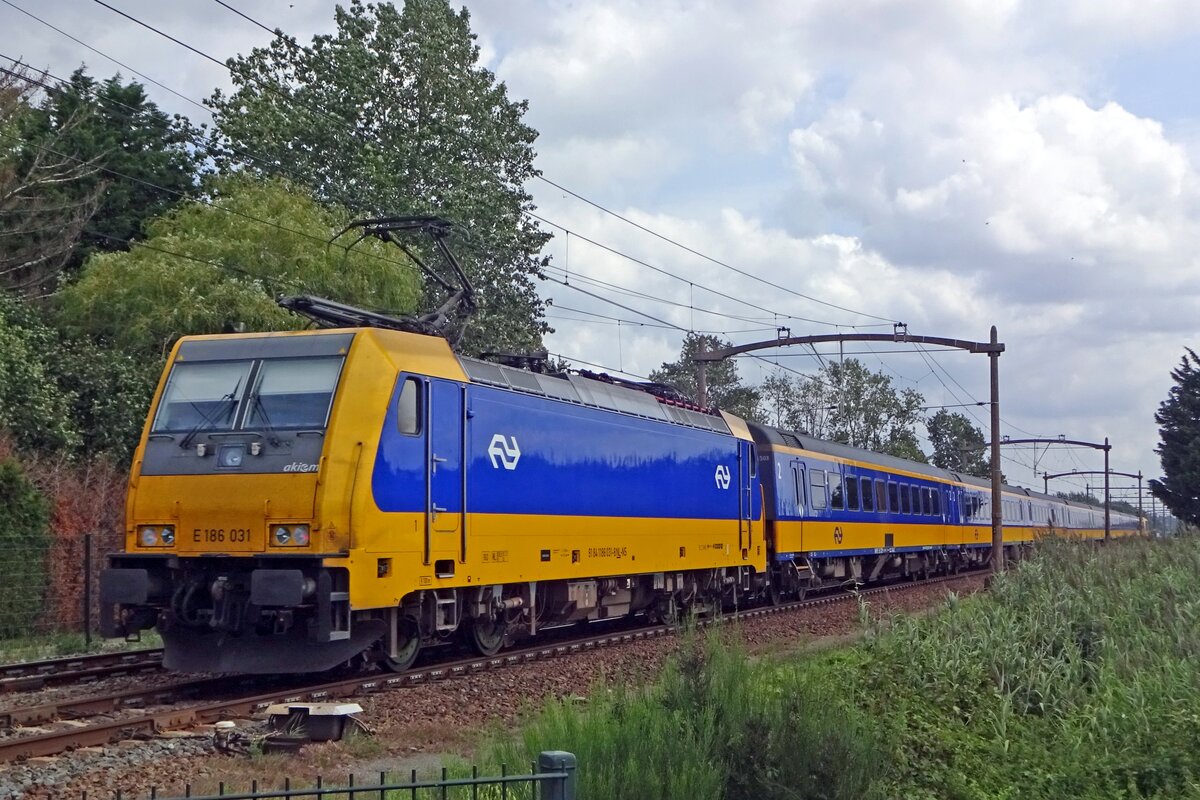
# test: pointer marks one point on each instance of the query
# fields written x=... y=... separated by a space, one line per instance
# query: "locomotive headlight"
x=290 y=536
x=156 y=535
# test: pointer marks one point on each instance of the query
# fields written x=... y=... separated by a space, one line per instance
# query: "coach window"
x=835 y=490
x=819 y=495
x=905 y=499
x=880 y=495
x=868 y=503
x=408 y=407
x=925 y=501
x=852 y=494
x=893 y=492
x=936 y=496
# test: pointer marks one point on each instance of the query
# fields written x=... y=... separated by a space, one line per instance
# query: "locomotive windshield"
x=293 y=393
x=248 y=395
x=203 y=396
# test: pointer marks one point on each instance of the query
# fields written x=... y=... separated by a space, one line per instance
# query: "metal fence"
x=551 y=777
x=49 y=596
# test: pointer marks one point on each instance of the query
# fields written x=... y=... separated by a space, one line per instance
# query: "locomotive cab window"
x=293 y=393
x=409 y=406
x=202 y=396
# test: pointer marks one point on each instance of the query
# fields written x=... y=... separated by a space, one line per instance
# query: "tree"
x=725 y=388
x=144 y=161
x=216 y=266
x=957 y=444
x=392 y=114
x=848 y=403
x=64 y=396
x=1179 y=442
x=41 y=224
x=32 y=408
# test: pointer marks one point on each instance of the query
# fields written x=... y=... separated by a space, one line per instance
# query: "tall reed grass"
x=1077 y=676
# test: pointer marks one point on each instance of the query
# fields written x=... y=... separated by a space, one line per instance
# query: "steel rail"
x=146 y=725
x=28 y=675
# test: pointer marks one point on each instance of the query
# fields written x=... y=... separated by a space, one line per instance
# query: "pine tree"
x=1179 y=447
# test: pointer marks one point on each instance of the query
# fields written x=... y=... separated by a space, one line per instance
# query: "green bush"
x=24 y=541
x=716 y=725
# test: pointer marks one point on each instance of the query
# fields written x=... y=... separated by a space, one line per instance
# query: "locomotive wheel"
x=774 y=592
x=410 y=645
x=487 y=635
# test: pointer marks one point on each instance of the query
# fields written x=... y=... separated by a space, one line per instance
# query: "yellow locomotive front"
x=240 y=498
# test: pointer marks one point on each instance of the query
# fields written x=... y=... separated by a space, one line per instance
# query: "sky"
x=832 y=167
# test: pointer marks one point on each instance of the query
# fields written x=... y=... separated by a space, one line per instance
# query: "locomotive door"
x=444 y=447
x=746 y=473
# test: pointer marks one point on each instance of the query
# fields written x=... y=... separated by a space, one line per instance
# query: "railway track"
x=146 y=722
x=33 y=675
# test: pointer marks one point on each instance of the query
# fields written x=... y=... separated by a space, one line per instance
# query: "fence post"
x=557 y=761
x=87 y=591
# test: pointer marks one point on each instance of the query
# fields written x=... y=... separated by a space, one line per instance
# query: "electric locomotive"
x=301 y=499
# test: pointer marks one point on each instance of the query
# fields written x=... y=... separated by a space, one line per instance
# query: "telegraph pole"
x=997 y=504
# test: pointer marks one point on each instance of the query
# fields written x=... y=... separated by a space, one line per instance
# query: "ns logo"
x=505 y=451
x=722 y=476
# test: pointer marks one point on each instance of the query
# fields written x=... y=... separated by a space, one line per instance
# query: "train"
x=303 y=500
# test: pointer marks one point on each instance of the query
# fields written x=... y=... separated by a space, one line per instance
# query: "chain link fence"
x=58 y=520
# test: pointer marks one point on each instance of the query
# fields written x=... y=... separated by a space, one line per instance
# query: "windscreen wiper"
x=207 y=419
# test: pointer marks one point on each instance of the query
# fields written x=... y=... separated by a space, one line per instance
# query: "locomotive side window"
x=408 y=407
x=835 y=490
x=202 y=395
x=852 y=494
x=293 y=393
x=868 y=495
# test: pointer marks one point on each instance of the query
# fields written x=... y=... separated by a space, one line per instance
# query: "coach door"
x=444 y=505
x=800 y=483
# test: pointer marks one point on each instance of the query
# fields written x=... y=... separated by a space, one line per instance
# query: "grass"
x=58 y=645
x=1077 y=676
x=716 y=725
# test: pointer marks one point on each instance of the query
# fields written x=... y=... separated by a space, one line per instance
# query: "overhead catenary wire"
x=278 y=33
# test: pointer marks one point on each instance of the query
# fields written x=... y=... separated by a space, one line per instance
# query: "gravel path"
x=415 y=725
